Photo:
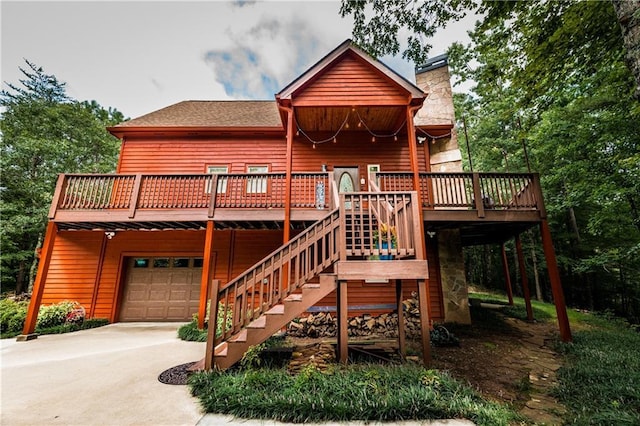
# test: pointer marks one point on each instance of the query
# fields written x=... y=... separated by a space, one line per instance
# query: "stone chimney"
x=434 y=79
x=444 y=153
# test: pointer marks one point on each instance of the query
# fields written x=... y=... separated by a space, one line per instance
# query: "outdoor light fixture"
x=110 y=234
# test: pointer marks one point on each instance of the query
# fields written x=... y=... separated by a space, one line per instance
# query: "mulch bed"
x=177 y=375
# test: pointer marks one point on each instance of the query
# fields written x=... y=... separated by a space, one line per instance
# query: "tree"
x=380 y=34
x=44 y=133
x=553 y=76
x=628 y=12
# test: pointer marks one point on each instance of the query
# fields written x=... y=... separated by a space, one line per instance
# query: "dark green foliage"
x=44 y=133
x=373 y=393
x=599 y=381
x=191 y=333
x=551 y=75
x=12 y=316
x=68 y=328
x=378 y=33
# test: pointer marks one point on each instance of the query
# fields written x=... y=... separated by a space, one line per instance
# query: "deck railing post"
x=477 y=194
x=133 y=203
x=61 y=185
x=213 y=324
x=212 y=199
x=537 y=191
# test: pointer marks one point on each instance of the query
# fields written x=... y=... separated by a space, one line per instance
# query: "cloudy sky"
x=144 y=55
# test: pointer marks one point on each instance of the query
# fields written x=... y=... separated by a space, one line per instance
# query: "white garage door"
x=161 y=289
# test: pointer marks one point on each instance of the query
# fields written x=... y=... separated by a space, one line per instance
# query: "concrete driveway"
x=103 y=376
x=109 y=376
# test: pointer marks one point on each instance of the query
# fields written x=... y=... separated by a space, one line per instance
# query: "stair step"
x=311 y=285
x=276 y=310
x=293 y=298
x=260 y=322
x=221 y=349
x=240 y=337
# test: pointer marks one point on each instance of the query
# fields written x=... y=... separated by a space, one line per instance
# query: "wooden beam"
x=382 y=269
x=343 y=323
x=207 y=272
x=425 y=326
x=556 y=286
x=401 y=331
x=507 y=276
x=135 y=194
x=289 y=166
x=211 y=330
x=523 y=279
x=96 y=281
x=41 y=278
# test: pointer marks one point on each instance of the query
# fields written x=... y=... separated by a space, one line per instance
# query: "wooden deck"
x=473 y=201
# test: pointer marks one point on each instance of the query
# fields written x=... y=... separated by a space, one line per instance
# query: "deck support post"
x=288 y=167
x=343 y=323
x=400 y=308
x=38 y=285
x=207 y=273
x=425 y=326
x=211 y=330
x=507 y=276
x=523 y=279
x=556 y=286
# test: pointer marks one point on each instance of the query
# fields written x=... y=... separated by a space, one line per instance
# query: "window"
x=257 y=185
x=222 y=181
x=141 y=263
x=181 y=262
x=161 y=262
x=372 y=170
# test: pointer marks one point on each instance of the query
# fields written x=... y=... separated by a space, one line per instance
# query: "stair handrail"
x=277 y=275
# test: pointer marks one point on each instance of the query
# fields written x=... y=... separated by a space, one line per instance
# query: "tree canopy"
x=551 y=77
x=44 y=133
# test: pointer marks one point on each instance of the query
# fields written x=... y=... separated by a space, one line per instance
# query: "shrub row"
x=52 y=319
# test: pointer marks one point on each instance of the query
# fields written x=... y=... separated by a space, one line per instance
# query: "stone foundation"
x=454 y=284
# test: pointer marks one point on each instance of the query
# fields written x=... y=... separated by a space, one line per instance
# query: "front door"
x=346 y=178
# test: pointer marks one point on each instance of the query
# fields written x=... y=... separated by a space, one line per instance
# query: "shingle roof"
x=211 y=114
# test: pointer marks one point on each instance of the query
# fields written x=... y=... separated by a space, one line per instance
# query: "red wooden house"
x=349 y=182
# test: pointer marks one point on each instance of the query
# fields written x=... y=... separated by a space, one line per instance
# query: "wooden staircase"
x=279 y=288
x=231 y=351
x=283 y=285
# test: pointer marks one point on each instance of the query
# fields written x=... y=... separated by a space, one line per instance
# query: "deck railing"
x=312 y=190
x=184 y=191
x=459 y=190
x=380 y=224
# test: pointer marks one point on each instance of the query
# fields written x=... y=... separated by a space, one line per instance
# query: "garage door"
x=161 y=289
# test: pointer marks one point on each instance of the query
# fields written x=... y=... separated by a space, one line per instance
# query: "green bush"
x=56 y=314
x=70 y=327
x=191 y=333
x=12 y=316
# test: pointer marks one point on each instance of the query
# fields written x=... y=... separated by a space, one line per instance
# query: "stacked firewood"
x=325 y=324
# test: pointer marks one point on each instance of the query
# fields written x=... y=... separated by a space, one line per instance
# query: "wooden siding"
x=75 y=258
x=73 y=268
x=193 y=156
x=170 y=156
x=351 y=82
